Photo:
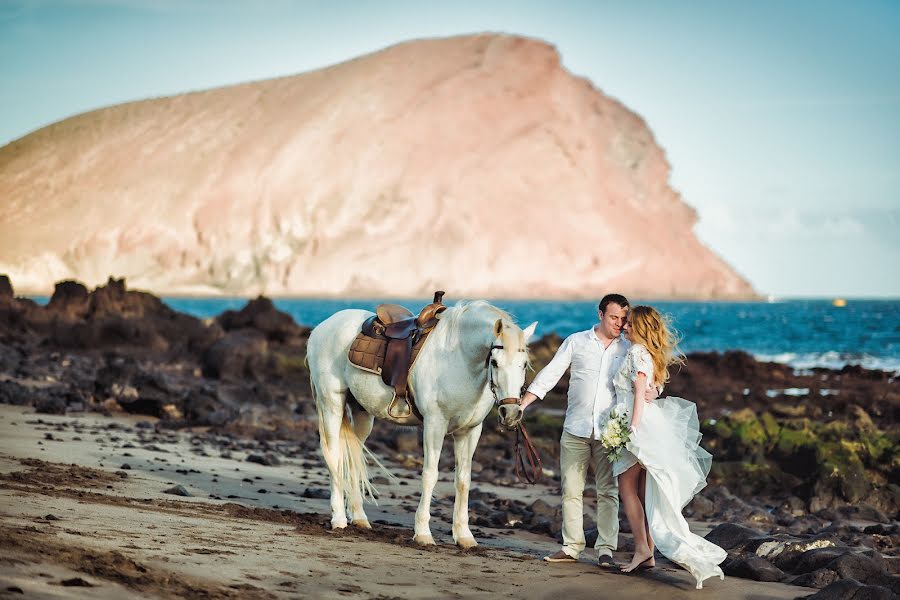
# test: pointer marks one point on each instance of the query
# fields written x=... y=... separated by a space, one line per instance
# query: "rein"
x=525 y=455
x=525 y=450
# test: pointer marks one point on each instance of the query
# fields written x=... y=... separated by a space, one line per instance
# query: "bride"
x=662 y=466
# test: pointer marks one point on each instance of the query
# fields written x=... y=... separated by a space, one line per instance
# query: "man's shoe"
x=559 y=557
x=605 y=561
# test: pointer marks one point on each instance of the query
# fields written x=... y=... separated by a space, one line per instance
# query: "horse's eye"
x=494 y=363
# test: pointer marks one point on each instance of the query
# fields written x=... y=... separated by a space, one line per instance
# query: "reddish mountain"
x=474 y=164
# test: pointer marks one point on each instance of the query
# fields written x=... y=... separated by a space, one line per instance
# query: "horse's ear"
x=529 y=331
x=498 y=327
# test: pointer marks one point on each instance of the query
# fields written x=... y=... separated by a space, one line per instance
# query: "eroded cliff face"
x=473 y=164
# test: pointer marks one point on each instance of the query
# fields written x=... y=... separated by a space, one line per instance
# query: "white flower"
x=615 y=432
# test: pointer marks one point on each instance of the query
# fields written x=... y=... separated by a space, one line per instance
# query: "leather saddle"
x=388 y=344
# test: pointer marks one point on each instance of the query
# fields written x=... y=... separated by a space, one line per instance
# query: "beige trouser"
x=574 y=456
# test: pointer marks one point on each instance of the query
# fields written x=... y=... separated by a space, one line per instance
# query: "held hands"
x=651 y=393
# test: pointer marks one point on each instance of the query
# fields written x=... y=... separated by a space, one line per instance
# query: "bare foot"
x=641 y=556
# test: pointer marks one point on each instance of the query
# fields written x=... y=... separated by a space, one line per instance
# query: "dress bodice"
x=638 y=360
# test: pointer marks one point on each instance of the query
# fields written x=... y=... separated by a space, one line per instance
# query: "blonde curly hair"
x=654 y=332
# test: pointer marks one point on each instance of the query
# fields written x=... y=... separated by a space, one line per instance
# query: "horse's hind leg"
x=464 y=446
x=331 y=415
x=362 y=426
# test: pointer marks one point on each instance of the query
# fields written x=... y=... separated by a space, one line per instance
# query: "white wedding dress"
x=667 y=445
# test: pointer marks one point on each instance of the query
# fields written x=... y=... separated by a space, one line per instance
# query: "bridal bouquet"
x=616 y=432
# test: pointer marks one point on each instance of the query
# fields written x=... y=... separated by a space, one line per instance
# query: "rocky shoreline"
x=806 y=463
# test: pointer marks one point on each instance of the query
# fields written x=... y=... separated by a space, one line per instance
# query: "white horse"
x=475 y=357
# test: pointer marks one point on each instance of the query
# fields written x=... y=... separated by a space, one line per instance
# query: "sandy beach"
x=76 y=523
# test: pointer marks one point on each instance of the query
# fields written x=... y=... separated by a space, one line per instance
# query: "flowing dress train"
x=667 y=445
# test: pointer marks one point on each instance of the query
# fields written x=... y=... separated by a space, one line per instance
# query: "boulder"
x=753 y=567
x=700 y=507
x=849 y=589
x=786 y=554
x=731 y=535
x=858 y=566
x=238 y=355
x=817 y=558
x=820 y=578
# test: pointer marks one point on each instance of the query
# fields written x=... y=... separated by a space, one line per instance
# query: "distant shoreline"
x=753 y=327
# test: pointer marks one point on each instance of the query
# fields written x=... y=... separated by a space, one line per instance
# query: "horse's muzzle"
x=510 y=412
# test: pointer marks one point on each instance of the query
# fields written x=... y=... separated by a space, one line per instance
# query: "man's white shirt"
x=591 y=390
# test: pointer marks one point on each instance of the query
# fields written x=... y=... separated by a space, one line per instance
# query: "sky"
x=781 y=119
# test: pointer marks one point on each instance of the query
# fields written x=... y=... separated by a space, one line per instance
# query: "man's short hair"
x=612 y=299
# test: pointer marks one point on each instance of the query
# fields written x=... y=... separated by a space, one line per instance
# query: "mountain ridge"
x=444 y=162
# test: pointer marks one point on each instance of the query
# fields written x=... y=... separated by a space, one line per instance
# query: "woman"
x=662 y=466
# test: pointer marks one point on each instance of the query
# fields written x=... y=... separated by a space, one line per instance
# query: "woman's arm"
x=640 y=386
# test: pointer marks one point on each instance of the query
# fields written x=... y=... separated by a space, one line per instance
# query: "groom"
x=594 y=357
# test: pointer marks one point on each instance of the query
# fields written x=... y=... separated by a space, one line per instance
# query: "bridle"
x=490 y=367
x=524 y=450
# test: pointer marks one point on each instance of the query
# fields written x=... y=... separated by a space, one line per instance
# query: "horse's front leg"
x=464 y=443
x=432 y=440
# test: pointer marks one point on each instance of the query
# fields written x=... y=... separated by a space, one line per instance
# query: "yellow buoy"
x=839 y=302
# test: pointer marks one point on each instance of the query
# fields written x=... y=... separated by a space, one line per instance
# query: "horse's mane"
x=452 y=317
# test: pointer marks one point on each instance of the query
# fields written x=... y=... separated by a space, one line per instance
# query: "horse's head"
x=506 y=362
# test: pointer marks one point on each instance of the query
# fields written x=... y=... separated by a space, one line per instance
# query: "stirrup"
x=397 y=401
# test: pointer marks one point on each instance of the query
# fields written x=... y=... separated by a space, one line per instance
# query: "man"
x=594 y=357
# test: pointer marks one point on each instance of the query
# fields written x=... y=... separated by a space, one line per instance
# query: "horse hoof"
x=361 y=523
x=339 y=524
x=466 y=542
x=424 y=540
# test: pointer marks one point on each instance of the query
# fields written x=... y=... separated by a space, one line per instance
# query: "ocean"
x=800 y=333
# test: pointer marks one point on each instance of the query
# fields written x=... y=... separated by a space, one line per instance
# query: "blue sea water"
x=801 y=333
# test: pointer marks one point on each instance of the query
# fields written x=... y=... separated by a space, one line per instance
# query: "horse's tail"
x=352 y=466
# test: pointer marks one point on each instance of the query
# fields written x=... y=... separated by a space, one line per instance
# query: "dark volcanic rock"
x=6 y=288
x=241 y=354
x=152 y=395
x=819 y=578
x=177 y=490
x=848 y=589
x=202 y=406
x=731 y=535
x=261 y=314
x=818 y=558
x=51 y=403
x=14 y=393
x=857 y=566
x=70 y=301
x=753 y=567
x=316 y=493
x=110 y=316
x=268 y=459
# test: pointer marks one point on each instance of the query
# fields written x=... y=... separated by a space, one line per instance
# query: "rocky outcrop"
x=818 y=561
x=475 y=164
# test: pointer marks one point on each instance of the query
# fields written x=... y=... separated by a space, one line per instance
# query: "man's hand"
x=651 y=394
x=527 y=399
